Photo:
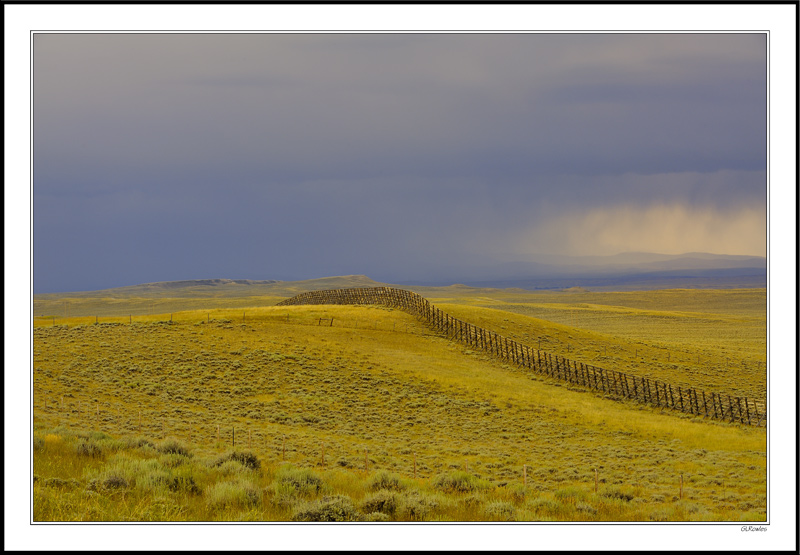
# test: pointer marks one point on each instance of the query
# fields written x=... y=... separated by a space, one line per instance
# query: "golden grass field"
x=378 y=418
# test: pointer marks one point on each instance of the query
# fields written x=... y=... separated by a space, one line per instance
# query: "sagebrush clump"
x=460 y=482
x=247 y=459
x=337 y=508
x=233 y=494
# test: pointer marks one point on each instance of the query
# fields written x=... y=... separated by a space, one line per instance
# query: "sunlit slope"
x=377 y=379
x=709 y=351
x=118 y=308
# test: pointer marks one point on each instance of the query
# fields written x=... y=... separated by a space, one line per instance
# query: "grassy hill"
x=372 y=416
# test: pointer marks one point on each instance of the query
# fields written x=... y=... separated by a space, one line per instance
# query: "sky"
x=164 y=157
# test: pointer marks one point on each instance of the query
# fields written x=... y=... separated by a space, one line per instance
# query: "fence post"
x=562 y=368
x=762 y=417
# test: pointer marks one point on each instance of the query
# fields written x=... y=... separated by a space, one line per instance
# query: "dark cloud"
x=290 y=156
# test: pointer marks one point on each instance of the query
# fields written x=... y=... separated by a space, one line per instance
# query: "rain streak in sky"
x=400 y=156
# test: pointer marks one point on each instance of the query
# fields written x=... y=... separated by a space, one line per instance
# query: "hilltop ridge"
x=220 y=287
x=621 y=272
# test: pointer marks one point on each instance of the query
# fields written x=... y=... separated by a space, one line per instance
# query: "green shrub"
x=616 y=493
x=138 y=442
x=376 y=517
x=689 y=508
x=517 y=492
x=59 y=483
x=382 y=501
x=662 y=515
x=88 y=449
x=500 y=510
x=173 y=446
x=459 y=482
x=233 y=494
x=232 y=468
x=123 y=472
x=417 y=506
x=386 y=481
x=244 y=458
x=109 y=480
x=338 y=508
x=149 y=474
x=115 y=481
x=182 y=480
x=300 y=481
x=92 y=435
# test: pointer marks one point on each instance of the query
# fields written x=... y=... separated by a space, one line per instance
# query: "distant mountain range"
x=626 y=271
x=230 y=288
x=632 y=270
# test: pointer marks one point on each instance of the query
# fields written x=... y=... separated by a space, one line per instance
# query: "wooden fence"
x=614 y=384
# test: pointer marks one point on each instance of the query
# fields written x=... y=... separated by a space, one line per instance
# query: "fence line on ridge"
x=611 y=382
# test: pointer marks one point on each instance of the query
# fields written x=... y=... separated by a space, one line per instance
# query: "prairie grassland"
x=711 y=339
x=85 y=309
x=136 y=421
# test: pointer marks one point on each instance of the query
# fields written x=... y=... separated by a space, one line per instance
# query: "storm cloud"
x=291 y=156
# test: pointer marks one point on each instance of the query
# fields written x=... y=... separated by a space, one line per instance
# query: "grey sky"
x=160 y=157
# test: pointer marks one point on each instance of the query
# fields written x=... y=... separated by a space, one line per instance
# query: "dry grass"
x=376 y=380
